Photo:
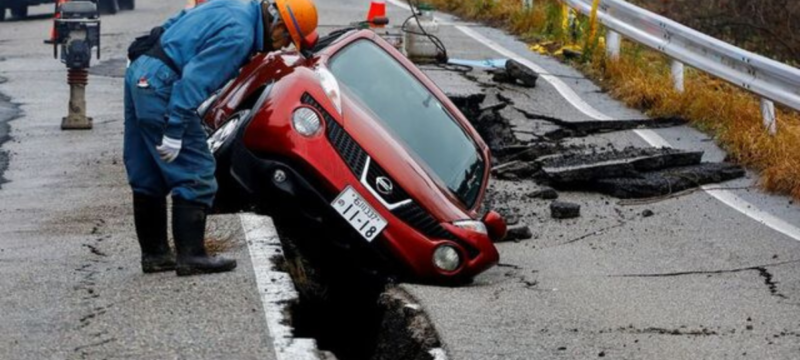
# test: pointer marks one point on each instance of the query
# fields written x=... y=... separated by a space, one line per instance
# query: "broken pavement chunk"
x=530 y=152
x=515 y=170
x=669 y=181
x=583 y=168
x=518 y=233
x=524 y=74
x=585 y=128
x=545 y=193
x=564 y=210
x=516 y=73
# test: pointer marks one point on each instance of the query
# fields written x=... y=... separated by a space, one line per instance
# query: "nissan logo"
x=384 y=185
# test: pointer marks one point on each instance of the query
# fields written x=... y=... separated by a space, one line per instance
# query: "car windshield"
x=409 y=110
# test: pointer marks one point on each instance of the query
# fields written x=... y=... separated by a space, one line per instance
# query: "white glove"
x=169 y=149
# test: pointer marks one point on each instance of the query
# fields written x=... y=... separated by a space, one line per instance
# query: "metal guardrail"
x=770 y=79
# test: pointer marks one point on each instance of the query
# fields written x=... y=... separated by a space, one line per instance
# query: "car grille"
x=348 y=149
x=356 y=159
x=412 y=214
x=397 y=194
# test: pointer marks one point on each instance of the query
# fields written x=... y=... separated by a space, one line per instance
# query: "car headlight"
x=472 y=225
x=446 y=258
x=306 y=121
x=331 y=86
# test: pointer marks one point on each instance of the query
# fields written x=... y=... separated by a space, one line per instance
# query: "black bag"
x=143 y=44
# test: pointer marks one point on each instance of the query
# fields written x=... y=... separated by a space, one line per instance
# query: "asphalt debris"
x=483 y=112
x=564 y=210
x=515 y=73
x=545 y=193
x=585 y=167
x=515 y=170
x=668 y=181
x=517 y=233
x=647 y=213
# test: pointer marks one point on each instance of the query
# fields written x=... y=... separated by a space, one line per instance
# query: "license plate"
x=359 y=214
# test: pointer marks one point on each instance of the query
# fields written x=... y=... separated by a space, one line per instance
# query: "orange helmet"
x=300 y=18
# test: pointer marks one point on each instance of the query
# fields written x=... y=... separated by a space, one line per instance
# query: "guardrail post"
x=613 y=43
x=768 y=112
x=676 y=70
x=527 y=4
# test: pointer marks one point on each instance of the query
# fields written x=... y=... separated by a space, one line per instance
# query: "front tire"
x=231 y=197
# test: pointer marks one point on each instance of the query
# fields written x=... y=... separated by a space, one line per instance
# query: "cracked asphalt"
x=693 y=279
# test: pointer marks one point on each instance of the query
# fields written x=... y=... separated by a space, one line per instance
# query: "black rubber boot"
x=188 y=229
x=150 y=219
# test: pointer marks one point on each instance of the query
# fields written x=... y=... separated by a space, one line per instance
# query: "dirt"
x=407 y=332
x=352 y=311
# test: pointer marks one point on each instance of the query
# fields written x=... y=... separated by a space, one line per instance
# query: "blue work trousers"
x=148 y=86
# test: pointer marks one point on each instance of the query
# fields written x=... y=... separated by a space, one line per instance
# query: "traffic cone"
x=56 y=16
x=377 y=9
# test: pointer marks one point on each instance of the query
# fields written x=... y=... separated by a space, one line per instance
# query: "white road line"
x=726 y=197
x=275 y=288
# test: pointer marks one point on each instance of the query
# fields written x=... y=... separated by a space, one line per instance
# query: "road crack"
x=89 y=295
x=762 y=270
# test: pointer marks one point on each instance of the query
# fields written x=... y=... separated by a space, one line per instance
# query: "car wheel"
x=2 y=13
x=230 y=196
x=109 y=7
x=127 y=4
x=20 y=12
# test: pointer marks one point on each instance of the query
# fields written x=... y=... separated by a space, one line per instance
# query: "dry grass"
x=216 y=245
x=640 y=78
x=220 y=235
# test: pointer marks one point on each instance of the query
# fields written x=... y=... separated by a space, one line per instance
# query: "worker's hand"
x=169 y=149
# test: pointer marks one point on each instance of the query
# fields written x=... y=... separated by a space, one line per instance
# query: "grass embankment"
x=641 y=79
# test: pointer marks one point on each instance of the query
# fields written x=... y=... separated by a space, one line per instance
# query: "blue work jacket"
x=209 y=44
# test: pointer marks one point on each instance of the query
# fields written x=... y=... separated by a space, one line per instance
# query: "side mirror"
x=496 y=225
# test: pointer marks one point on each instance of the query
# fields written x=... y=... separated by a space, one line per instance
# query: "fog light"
x=279 y=176
x=306 y=121
x=446 y=257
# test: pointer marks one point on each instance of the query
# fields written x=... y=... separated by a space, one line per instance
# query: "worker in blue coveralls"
x=192 y=54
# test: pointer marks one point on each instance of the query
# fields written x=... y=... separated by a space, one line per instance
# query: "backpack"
x=142 y=44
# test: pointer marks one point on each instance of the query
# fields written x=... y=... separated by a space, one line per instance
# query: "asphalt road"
x=69 y=267
x=698 y=279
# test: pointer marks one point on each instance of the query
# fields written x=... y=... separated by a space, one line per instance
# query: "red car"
x=353 y=135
